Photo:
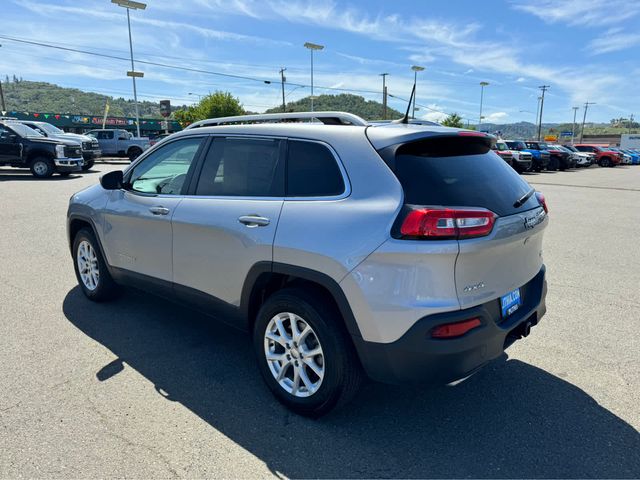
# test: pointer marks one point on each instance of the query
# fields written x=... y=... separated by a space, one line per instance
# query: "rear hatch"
x=456 y=187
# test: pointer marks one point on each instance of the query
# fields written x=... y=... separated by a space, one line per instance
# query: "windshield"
x=572 y=148
x=543 y=146
x=23 y=130
x=501 y=146
x=47 y=127
x=517 y=145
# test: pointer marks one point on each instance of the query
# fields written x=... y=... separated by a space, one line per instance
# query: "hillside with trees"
x=24 y=95
x=367 y=109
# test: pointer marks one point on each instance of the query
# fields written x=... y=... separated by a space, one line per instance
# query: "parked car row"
x=45 y=149
x=535 y=156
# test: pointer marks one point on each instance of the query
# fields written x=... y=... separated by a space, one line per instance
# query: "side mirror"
x=112 y=180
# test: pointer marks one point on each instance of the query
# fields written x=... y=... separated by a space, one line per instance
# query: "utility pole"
x=544 y=89
x=4 y=107
x=630 y=120
x=282 y=80
x=584 y=118
x=384 y=95
x=573 y=128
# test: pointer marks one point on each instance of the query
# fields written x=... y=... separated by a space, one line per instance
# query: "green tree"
x=218 y=104
x=453 y=120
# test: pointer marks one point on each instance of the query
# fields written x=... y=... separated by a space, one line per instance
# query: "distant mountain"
x=367 y=109
x=23 y=95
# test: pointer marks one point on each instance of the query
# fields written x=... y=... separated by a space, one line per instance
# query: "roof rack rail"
x=8 y=118
x=328 y=118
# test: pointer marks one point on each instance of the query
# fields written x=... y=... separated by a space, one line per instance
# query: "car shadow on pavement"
x=511 y=419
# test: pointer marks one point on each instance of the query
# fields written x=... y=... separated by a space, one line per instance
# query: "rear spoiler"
x=440 y=144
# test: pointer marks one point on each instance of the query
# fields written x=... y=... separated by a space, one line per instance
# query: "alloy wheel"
x=294 y=354
x=88 y=265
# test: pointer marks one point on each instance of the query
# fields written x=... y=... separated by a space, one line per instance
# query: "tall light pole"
x=129 y=5
x=573 y=128
x=416 y=69
x=384 y=95
x=544 y=89
x=196 y=94
x=584 y=118
x=312 y=47
x=482 y=85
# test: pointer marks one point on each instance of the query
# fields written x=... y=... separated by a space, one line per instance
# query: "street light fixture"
x=482 y=85
x=312 y=47
x=196 y=94
x=130 y=5
x=416 y=69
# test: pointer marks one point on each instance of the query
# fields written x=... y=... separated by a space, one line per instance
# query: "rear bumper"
x=417 y=358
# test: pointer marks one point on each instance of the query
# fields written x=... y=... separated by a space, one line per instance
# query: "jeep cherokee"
x=408 y=253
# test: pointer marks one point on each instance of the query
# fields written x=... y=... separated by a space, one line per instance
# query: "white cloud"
x=613 y=40
x=580 y=12
x=521 y=79
x=434 y=116
x=495 y=117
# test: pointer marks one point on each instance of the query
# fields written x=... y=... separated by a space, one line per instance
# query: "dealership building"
x=78 y=123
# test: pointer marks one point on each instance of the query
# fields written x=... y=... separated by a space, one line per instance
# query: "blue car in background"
x=541 y=157
x=635 y=156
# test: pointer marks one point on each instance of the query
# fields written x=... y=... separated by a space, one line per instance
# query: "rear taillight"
x=452 y=330
x=441 y=223
x=542 y=201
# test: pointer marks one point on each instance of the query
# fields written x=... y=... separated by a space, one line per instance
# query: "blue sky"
x=586 y=50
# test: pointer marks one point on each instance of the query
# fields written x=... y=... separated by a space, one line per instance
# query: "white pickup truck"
x=120 y=143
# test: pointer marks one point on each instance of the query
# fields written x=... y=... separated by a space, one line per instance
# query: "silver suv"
x=401 y=252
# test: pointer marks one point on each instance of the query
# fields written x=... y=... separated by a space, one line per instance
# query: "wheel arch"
x=266 y=278
x=33 y=154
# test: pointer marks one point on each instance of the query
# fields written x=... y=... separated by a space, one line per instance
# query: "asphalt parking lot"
x=140 y=388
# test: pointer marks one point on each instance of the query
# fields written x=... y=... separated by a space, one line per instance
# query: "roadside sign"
x=135 y=74
x=165 y=108
x=550 y=138
x=566 y=134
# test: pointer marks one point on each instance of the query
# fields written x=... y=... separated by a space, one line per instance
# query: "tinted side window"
x=312 y=171
x=242 y=167
x=165 y=170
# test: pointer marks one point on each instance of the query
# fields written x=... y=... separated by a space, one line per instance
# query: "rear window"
x=459 y=172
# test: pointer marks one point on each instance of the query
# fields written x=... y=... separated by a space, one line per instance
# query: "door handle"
x=254 y=221
x=158 y=210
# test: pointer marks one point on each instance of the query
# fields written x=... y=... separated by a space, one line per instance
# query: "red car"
x=604 y=156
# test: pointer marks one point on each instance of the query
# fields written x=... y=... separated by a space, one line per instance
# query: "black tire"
x=88 y=164
x=106 y=288
x=343 y=373
x=133 y=153
x=605 y=162
x=42 y=167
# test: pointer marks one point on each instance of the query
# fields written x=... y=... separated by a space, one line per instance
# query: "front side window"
x=242 y=167
x=312 y=171
x=5 y=135
x=165 y=170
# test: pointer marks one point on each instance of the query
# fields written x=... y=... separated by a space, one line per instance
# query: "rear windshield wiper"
x=522 y=200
